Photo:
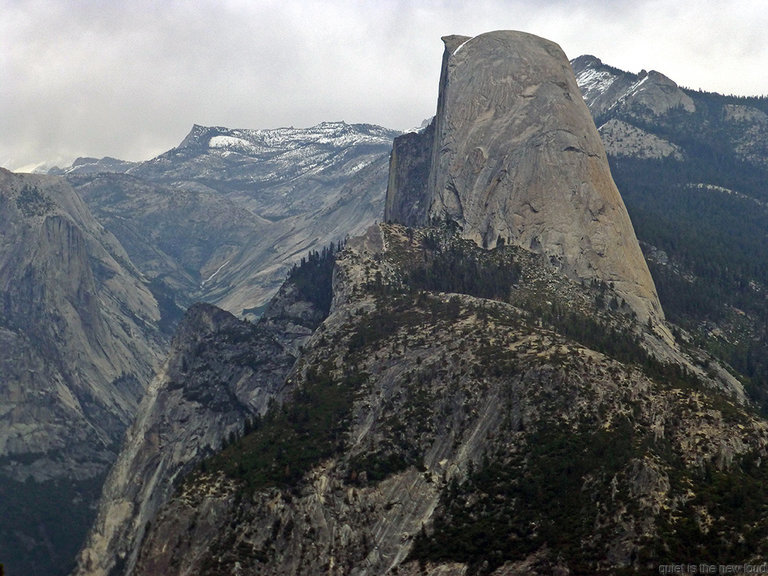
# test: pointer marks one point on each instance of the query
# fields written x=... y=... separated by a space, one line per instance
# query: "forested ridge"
x=703 y=222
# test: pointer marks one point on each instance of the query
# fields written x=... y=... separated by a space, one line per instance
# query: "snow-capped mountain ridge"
x=618 y=100
x=268 y=156
x=336 y=134
x=593 y=77
x=257 y=200
x=292 y=151
x=605 y=88
x=87 y=165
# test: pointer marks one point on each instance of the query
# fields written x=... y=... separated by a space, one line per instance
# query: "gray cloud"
x=129 y=79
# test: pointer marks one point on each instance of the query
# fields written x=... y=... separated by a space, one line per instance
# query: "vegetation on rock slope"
x=702 y=220
x=594 y=454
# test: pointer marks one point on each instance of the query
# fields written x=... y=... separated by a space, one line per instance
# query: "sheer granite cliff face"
x=79 y=329
x=79 y=338
x=516 y=157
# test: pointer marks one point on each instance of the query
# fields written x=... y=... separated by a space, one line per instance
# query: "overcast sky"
x=128 y=79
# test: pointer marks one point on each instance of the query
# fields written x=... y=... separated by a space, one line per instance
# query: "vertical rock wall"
x=516 y=156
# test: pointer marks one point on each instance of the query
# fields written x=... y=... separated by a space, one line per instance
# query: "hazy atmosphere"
x=128 y=80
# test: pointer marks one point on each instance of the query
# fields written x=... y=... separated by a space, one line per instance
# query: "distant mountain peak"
x=89 y=165
x=195 y=136
x=606 y=88
x=586 y=60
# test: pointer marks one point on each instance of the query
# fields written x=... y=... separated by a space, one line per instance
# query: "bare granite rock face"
x=516 y=157
x=624 y=139
x=80 y=327
x=409 y=165
x=79 y=338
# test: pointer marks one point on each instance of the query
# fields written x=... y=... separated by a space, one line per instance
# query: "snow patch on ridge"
x=229 y=142
x=335 y=134
x=593 y=83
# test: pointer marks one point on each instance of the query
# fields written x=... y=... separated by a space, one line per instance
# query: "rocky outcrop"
x=624 y=139
x=409 y=165
x=516 y=157
x=220 y=373
x=80 y=339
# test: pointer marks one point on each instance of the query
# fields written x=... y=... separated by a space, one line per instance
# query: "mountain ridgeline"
x=432 y=431
x=484 y=385
x=98 y=262
x=222 y=217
